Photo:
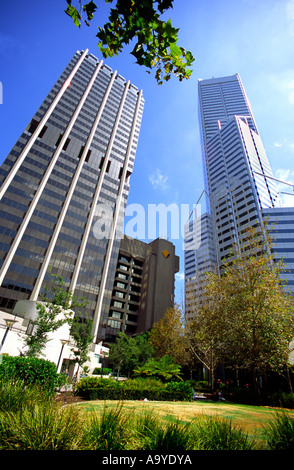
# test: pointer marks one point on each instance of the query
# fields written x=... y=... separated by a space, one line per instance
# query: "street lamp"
x=63 y=342
x=9 y=325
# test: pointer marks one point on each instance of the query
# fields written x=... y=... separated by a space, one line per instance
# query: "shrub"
x=180 y=391
x=96 y=382
x=140 y=383
x=202 y=384
x=31 y=371
x=284 y=400
x=241 y=395
x=95 y=388
x=100 y=371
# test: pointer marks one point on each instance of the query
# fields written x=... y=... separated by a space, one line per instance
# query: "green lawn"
x=250 y=418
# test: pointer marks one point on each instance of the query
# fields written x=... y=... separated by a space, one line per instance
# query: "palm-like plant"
x=163 y=368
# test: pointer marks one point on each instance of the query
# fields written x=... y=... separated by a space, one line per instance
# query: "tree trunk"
x=255 y=384
x=289 y=380
x=237 y=377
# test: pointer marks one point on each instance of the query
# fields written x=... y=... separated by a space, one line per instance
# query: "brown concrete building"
x=143 y=286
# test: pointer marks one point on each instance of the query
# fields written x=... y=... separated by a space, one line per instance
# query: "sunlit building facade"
x=200 y=258
x=280 y=223
x=239 y=182
x=143 y=287
x=234 y=160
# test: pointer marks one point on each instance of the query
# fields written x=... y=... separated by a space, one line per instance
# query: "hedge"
x=32 y=371
x=93 y=388
x=102 y=371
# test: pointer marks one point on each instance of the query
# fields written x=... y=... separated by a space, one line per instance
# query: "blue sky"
x=249 y=37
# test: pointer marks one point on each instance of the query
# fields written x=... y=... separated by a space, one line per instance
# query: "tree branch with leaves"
x=156 y=41
x=247 y=318
x=56 y=308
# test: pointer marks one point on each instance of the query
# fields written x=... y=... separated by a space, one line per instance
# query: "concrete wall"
x=14 y=344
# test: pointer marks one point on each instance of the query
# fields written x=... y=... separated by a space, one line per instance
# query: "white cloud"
x=287 y=176
x=158 y=180
x=283 y=85
x=284 y=175
x=291 y=94
x=287 y=146
x=290 y=10
x=180 y=276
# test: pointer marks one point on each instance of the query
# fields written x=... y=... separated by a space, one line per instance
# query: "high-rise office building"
x=238 y=178
x=234 y=161
x=144 y=286
x=280 y=223
x=64 y=188
x=199 y=258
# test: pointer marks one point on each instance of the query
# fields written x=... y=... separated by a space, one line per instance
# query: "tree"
x=128 y=352
x=56 y=300
x=200 y=337
x=45 y=323
x=167 y=336
x=81 y=332
x=139 y=20
x=247 y=318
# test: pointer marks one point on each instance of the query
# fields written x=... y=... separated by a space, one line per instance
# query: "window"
x=33 y=126
x=121 y=285
x=122 y=276
x=121 y=295
x=66 y=144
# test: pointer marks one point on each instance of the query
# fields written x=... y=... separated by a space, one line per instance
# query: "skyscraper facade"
x=234 y=161
x=144 y=286
x=64 y=188
x=280 y=222
x=238 y=178
x=200 y=258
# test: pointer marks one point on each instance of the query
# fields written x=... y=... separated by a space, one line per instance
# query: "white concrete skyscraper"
x=239 y=182
x=234 y=159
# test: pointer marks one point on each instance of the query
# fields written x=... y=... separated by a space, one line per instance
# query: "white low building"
x=15 y=327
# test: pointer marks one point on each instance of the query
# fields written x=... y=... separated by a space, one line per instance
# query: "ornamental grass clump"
x=153 y=434
x=214 y=433
x=279 y=432
x=106 y=431
x=44 y=426
x=16 y=394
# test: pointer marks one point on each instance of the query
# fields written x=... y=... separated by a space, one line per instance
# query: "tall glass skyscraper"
x=234 y=161
x=238 y=178
x=64 y=188
x=199 y=258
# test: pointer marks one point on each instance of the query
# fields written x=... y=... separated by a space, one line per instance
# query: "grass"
x=280 y=432
x=30 y=420
x=251 y=419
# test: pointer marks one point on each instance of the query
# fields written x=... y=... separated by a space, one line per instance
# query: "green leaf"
x=175 y=49
x=139 y=20
x=90 y=8
x=74 y=14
